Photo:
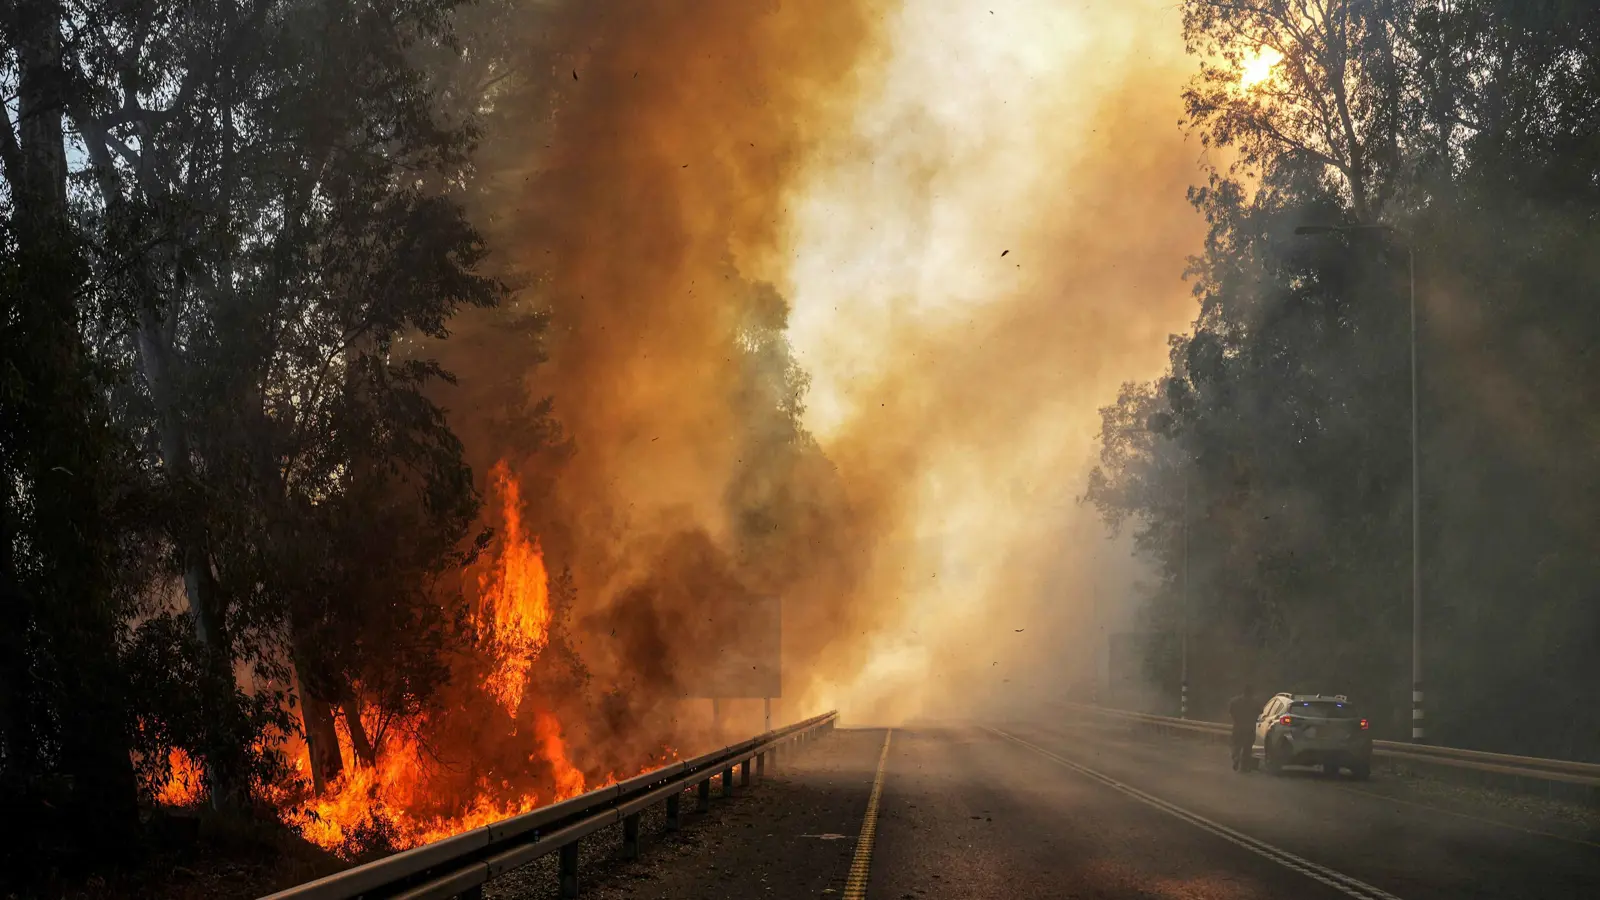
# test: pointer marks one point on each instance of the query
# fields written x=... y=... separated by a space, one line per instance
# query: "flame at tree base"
x=414 y=795
x=374 y=807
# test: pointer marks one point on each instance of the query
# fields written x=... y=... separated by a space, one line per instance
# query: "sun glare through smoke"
x=1258 y=68
x=995 y=245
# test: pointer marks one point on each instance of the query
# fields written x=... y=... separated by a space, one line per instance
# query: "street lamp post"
x=1160 y=424
x=1183 y=638
x=1418 y=727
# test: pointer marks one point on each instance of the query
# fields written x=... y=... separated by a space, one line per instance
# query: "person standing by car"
x=1242 y=711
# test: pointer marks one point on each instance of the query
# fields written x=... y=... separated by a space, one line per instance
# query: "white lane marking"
x=1337 y=880
x=1062 y=729
x=855 y=886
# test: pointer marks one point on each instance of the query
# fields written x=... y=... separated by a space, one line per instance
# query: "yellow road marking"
x=855 y=886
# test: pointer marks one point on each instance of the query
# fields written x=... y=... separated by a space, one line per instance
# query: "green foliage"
x=226 y=231
x=1286 y=411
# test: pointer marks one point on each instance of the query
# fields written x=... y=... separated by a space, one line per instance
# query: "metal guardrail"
x=459 y=866
x=1532 y=767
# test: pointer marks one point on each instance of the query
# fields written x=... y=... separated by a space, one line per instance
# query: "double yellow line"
x=855 y=886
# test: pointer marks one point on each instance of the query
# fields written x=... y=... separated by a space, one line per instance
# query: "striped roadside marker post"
x=1419 y=727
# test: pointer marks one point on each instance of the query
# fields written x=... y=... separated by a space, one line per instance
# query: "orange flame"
x=392 y=803
x=515 y=598
x=186 y=784
x=514 y=618
x=547 y=731
x=363 y=796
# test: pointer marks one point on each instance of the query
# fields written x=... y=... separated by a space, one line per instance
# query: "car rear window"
x=1322 y=709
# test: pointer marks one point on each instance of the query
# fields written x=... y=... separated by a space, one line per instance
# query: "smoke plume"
x=969 y=222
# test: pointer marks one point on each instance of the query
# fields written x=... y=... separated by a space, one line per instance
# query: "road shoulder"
x=791 y=835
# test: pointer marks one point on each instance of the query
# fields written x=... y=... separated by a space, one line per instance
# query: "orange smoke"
x=640 y=199
x=514 y=596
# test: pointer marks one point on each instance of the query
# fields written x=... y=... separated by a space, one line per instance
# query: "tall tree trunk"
x=154 y=336
x=224 y=751
x=322 y=739
x=358 y=732
x=64 y=461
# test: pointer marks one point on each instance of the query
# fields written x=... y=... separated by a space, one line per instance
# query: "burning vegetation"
x=480 y=578
x=395 y=391
x=513 y=600
x=424 y=782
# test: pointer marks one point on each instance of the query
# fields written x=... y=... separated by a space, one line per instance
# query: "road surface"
x=1057 y=811
x=1063 y=811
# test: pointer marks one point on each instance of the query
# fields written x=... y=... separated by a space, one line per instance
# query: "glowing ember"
x=186 y=785
x=1258 y=68
x=515 y=599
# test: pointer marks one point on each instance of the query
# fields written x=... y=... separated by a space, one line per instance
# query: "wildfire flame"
x=392 y=803
x=547 y=731
x=364 y=797
x=185 y=785
x=514 y=595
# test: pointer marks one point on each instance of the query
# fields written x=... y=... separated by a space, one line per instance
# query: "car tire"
x=1274 y=758
x=1361 y=771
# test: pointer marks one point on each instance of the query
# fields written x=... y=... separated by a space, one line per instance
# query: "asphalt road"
x=1029 y=810
x=1058 y=811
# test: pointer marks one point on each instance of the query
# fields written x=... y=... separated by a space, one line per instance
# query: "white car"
x=1314 y=730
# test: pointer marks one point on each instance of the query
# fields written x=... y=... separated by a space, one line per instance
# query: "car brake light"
x=1286 y=720
x=1363 y=724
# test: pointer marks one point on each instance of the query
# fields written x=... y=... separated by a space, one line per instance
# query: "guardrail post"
x=569 y=870
x=675 y=811
x=727 y=781
x=744 y=774
x=471 y=893
x=761 y=765
x=703 y=803
x=630 y=836
x=774 y=752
